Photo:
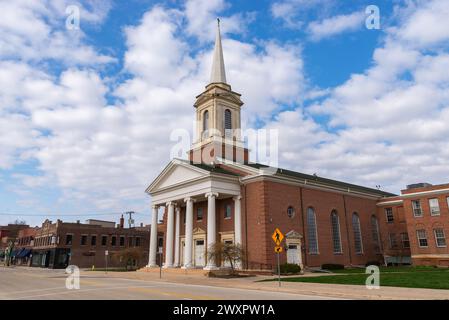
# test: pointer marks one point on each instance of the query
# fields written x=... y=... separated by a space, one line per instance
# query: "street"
x=43 y=284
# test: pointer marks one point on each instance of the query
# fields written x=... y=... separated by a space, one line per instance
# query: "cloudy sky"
x=86 y=115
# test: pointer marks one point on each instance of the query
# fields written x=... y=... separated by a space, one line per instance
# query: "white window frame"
x=230 y=211
x=359 y=231
x=414 y=208
x=316 y=250
x=334 y=213
x=393 y=242
x=436 y=238
x=419 y=238
x=389 y=213
x=375 y=234
x=434 y=212
x=404 y=239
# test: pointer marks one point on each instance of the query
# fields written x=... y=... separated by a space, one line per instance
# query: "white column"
x=238 y=225
x=153 y=238
x=237 y=220
x=177 y=229
x=188 y=263
x=170 y=236
x=211 y=228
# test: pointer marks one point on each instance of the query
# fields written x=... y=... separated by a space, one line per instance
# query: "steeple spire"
x=218 y=73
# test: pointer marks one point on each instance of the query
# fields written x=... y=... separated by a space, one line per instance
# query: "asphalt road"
x=42 y=284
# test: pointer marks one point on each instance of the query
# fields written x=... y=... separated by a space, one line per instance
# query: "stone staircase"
x=175 y=271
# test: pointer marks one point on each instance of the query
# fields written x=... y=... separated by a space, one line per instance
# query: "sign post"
x=106 y=253
x=277 y=238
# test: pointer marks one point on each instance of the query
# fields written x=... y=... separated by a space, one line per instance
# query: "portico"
x=177 y=189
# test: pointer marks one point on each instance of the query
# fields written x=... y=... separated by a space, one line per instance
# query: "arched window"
x=205 y=121
x=312 y=237
x=375 y=233
x=227 y=119
x=357 y=233
x=336 y=237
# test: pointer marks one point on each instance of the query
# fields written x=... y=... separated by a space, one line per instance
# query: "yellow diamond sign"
x=277 y=236
x=278 y=249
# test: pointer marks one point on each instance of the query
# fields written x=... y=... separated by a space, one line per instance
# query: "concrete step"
x=175 y=271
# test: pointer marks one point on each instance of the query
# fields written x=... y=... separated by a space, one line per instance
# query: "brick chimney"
x=122 y=222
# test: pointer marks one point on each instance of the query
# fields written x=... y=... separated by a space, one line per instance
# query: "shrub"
x=287 y=268
x=332 y=266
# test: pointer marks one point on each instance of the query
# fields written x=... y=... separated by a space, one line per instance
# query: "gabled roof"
x=302 y=176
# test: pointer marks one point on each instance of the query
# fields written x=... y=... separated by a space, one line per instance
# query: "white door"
x=293 y=254
x=183 y=246
x=199 y=253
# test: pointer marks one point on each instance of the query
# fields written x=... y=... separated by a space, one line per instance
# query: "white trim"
x=436 y=239
x=421 y=193
x=418 y=238
x=308 y=184
x=339 y=233
x=389 y=203
x=167 y=168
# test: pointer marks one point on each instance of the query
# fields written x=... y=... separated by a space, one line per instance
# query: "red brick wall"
x=398 y=226
x=267 y=204
x=428 y=223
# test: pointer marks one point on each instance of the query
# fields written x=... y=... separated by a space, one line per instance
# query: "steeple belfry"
x=218 y=73
x=218 y=115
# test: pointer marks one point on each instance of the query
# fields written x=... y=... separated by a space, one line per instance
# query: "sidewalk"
x=330 y=290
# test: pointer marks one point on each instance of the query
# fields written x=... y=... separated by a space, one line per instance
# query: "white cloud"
x=105 y=155
x=35 y=30
x=427 y=25
x=335 y=25
x=201 y=19
x=387 y=125
x=293 y=12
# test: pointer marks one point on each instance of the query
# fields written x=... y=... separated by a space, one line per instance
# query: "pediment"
x=176 y=173
x=293 y=235
x=198 y=231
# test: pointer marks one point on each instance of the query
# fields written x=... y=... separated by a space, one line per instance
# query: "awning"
x=23 y=253
x=17 y=253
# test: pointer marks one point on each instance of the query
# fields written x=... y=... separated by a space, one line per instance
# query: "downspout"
x=246 y=228
x=303 y=228
x=347 y=231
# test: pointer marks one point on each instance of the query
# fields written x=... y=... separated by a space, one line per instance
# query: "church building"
x=218 y=195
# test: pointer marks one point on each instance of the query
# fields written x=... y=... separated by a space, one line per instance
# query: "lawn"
x=407 y=277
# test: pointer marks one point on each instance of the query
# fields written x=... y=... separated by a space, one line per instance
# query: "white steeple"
x=218 y=73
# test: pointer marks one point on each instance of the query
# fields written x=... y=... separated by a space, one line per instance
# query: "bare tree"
x=126 y=257
x=19 y=222
x=226 y=252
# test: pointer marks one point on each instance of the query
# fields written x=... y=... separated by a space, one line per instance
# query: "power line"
x=63 y=215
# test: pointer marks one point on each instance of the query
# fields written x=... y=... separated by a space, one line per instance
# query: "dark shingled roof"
x=215 y=169
x=330 y=182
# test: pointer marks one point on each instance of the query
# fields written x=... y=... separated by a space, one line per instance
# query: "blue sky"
x=86 y=115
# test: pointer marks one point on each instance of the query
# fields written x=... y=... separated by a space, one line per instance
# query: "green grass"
x=407 y=277
x=408 y=269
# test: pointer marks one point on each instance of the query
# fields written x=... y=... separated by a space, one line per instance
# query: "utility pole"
x=130 y=220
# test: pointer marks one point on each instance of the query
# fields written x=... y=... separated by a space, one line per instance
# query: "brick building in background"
x=424 y=211
x=8 y=234
x=59 y=244
x=217 y=195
